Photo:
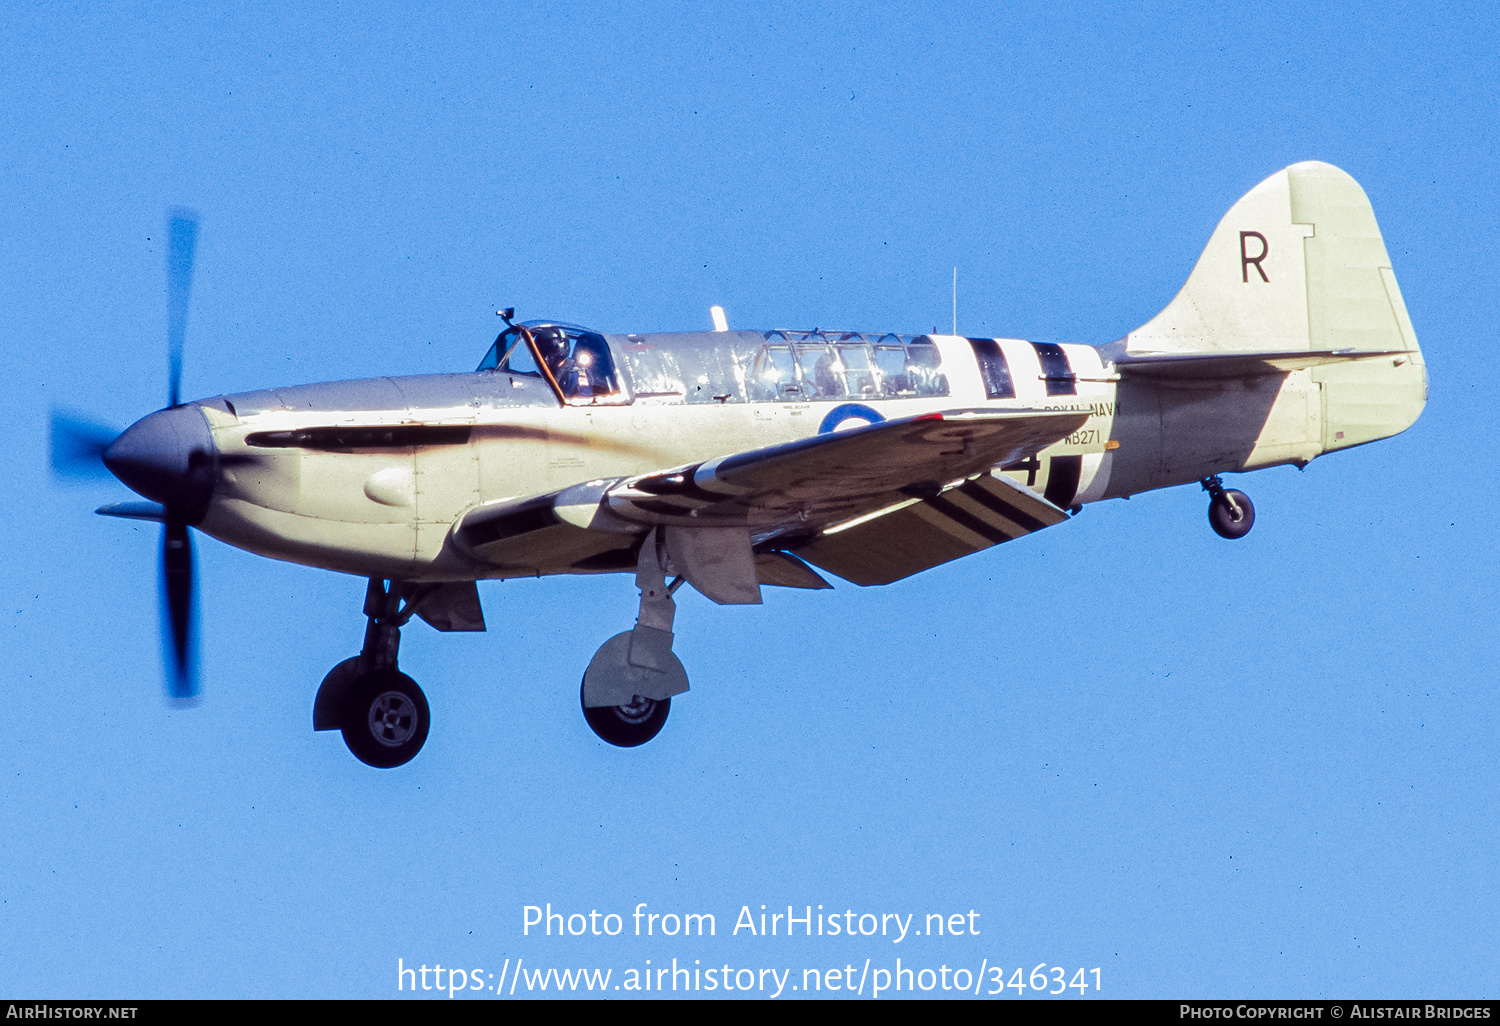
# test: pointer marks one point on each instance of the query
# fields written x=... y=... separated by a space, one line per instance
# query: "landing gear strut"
x=627 y=689
x=381 y=711
x=1230 y=512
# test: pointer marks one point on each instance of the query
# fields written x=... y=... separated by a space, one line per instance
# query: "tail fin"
x=1296 y=265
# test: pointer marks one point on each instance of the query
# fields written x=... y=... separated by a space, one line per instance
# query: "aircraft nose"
x=167 y=456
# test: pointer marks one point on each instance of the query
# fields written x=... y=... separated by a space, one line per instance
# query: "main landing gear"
x=627 y=689
x=381 y=711
x=626 y=692
x=1230 y=512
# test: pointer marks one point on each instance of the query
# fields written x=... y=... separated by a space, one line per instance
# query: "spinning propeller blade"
x=167 y=457
x=78 y=446
x=178 y=570
x=179 y=610
x=182 y=240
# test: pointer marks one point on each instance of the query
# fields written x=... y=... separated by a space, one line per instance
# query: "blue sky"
x=1262 y=768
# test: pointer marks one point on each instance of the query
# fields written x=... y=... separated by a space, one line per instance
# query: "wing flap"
x=919 y=534
x=787 y=571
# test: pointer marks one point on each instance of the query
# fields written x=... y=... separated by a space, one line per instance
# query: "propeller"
x=182 y=241
x=78 y=447
x=179 y=575
x=178 y=567
x=168 y=457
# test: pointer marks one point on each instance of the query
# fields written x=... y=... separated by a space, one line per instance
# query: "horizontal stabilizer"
x=1208 y=366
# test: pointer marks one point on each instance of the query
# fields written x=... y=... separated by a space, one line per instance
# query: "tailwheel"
x=629 y=725
x=1230 y=511
x=385 y=719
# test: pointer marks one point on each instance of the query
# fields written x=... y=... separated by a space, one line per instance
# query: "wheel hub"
x=638 y=711
x=393 y=719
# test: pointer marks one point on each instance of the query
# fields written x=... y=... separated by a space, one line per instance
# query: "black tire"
x=385 y=719
x=333 y=695
x=1231 y=514
x=626 y=726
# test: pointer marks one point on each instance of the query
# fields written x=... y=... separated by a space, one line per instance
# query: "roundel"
x=849 y=415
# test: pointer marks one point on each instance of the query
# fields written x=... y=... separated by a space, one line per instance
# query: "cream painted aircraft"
x=733 y=460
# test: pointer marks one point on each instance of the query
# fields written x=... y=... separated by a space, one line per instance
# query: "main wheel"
x=385 y=719
x=1231 y=514
x=626 y=726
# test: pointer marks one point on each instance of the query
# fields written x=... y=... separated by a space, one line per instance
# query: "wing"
x=803 y=487
x=794 y=497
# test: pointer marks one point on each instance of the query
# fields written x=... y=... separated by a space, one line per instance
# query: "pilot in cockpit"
x=552 y=345
x=588 y=371
x=582 y=372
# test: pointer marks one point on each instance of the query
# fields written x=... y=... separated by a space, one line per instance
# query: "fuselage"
x=368 y=477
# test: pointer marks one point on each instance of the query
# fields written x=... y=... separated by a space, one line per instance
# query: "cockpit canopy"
x=574 y=360
x=579 y=366
x=799 y=366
